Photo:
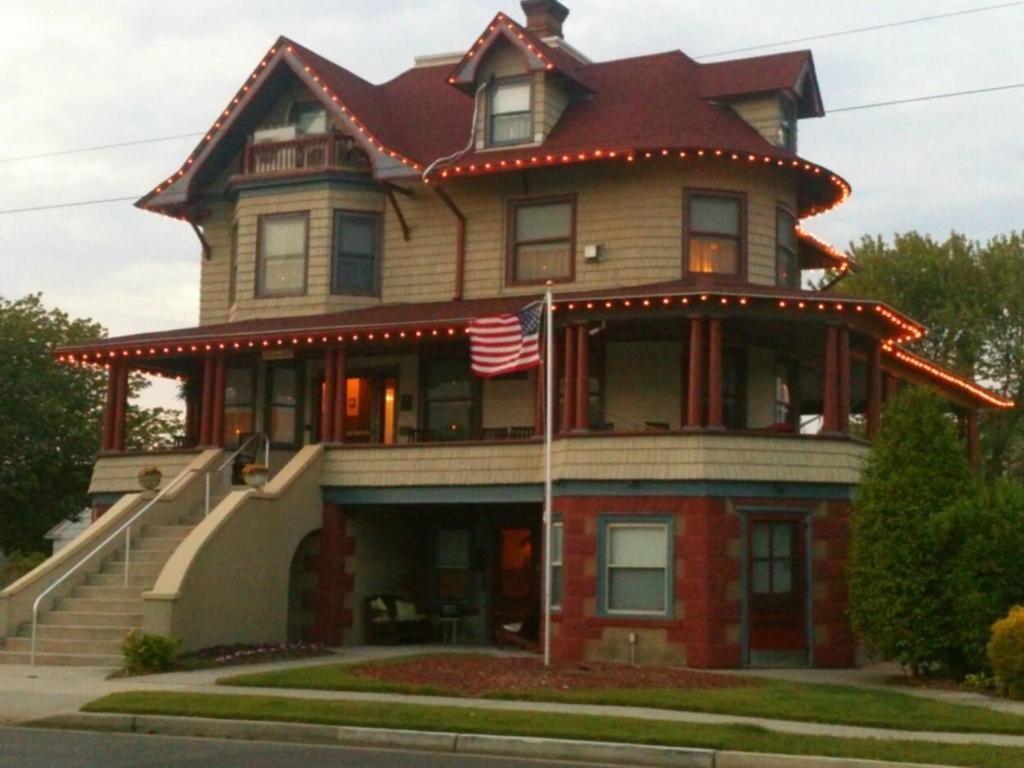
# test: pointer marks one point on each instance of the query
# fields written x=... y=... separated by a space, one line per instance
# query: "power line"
x=927 y=98
x=858 y=30
x=69 y=205
x=98 y=147
x=874 y=105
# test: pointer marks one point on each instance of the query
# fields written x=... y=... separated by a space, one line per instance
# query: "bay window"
x=714 y=233
x=281 y=256
x=787 y=268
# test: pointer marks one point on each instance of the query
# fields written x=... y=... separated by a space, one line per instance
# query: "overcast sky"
x=77 y=74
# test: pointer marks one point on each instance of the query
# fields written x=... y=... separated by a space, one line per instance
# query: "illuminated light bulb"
x=607 y=305
x=703 y=297
x=627 y=303
x=801 y=305
x=647 y=302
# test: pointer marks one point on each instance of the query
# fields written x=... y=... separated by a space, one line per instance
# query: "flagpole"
x=549 y=402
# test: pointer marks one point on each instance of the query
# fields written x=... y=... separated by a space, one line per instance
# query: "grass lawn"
x=758 y=697
x=424 y=718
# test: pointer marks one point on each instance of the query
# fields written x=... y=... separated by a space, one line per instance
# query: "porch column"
x=874 y=414
x=843 y=389
x=569 y=380
x=120 y=408
x=206 y=404
x=715 y=416
x=892 y=387
x=829 y=385
x=582 y=378
x=332 y=581
x=107 y=439
x=538 y=397
x=973 y=436
x=217 y=419
x=694 y=386
x=340 y=390
x=191 y=415
x=328 y=396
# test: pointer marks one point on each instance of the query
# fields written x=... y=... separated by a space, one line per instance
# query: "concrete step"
x=136 y=580
x=63 y=659
x=98 y=592
x=142 y=555
x=178 y=532
x=98 y=605
x=72 y=633
x=134 y=567
x=54 y=645
x=163 y=544
x=61 y=618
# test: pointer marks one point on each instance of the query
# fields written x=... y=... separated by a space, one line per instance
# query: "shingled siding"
x=634 y=211
x=763 y=113
x=120 y=474
x=652 y=458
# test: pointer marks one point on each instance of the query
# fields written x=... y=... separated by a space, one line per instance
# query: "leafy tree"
x=970 y=296
x=900 y=592
x=50 y=421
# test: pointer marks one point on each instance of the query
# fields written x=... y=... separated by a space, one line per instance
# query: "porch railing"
x=323 y=150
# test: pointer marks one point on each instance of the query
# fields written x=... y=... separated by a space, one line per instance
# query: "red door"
x=776 y=585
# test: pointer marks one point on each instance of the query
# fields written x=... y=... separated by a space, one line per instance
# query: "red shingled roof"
x=792 y=71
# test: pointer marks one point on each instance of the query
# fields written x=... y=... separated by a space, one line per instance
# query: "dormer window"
x=787 y=124
x=510 y=116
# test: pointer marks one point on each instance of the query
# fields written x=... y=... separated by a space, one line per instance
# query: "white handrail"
x=125 y=528
x=231 y=459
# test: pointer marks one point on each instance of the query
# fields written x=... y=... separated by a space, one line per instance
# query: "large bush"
x=900 y=588
x=1006 y=652
x=148 y=653
x=983 y=552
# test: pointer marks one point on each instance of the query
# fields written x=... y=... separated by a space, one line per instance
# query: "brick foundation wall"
x=705 y=629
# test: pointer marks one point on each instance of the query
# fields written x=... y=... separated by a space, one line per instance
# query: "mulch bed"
x=473 y=675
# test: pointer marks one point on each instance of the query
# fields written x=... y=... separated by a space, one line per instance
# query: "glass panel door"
x=284 y=404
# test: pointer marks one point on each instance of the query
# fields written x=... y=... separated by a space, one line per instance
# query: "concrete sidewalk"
x=28 y=694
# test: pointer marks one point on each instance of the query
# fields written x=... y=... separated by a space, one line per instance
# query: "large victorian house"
x=712 y=413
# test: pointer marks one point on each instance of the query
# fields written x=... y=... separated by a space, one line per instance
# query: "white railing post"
x=127 y=553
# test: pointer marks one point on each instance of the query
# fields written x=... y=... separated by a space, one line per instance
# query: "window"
x=308 y=117
x=772 y=558
x=356 y=253
x=636 y=561
x=787 y=124
x=786 y=401
x=281 y=270
x=450 y=402
x=239 y=403
x=556 y=565
x=787 y=268
x=451 y=564
x=283 y=404
x=715 y=234
x=233 y=266
x=541 y=240
x=511 y=119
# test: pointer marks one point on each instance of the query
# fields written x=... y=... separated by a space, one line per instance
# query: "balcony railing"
x=318 y=151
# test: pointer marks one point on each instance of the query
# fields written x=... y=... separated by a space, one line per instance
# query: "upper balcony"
x=283 y=152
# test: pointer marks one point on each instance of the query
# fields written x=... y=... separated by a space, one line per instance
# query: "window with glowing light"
x=541 y=240
x=787 y=268
x=281 y=255
x=450 y=399
x=714 y=233
x=510 y=114
x=356 y=262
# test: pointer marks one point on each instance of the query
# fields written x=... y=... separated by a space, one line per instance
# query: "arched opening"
x=302 y=584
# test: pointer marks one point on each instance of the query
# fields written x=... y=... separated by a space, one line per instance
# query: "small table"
x=449 y=628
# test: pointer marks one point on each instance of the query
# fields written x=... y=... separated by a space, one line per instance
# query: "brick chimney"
x=544 y=17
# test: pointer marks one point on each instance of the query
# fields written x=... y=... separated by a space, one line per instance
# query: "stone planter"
x=255 y=478
x=150 y=480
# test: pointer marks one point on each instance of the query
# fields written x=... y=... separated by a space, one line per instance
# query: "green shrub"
x=901 y=590
x=18 y=564
x=1006 y=652
x=148 y=653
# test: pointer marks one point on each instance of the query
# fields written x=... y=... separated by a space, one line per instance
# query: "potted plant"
x=255 y=475
x=149 y=478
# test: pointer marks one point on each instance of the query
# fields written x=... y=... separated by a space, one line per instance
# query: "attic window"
x=511 y=119
x=787 y=124
x=308 y=117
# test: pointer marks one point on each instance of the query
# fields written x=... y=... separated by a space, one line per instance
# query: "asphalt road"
x=30 y=748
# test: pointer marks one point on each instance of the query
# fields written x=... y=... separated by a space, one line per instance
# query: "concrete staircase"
x=86 y=627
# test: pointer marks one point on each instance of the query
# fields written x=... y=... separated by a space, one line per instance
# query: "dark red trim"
x=830 y=385
x=206 y=407
x=582 y=377
x=340 y=393
x=843 y=390
x=695 y=385
x=569 y=379
x=107 y=440
x=328 y=397
x=217 y=419
x=120 y=408
x=715 y=419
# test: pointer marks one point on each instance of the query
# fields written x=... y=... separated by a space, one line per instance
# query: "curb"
x=524 y=747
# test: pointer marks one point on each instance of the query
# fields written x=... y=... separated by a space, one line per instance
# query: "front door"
x=370 y=407
x=776 y=591
x=516 y=582
x=284 y=404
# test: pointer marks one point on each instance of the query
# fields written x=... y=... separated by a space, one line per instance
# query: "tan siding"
x=643 y=382
x=508 y=402
x=664 y=458
x=763 y=113
x=120 y=474
x=760 y=388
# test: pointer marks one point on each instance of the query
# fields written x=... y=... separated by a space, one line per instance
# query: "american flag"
x=506 y=343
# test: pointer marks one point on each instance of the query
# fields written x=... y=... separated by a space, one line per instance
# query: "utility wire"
x=98 y=147
x=926 y=98
x=858 y=30
x=874 y=105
